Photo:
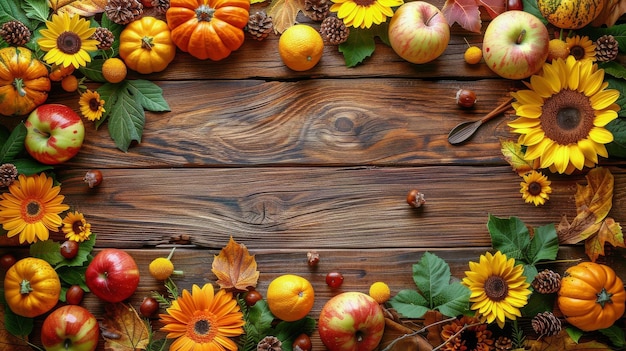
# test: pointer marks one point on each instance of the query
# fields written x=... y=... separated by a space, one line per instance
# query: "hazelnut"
x=93 y=178
x=465 y=98
x=415 y=199
x=313 y=258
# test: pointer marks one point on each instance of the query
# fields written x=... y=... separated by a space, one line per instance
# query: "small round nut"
x=93 y=178
x=313 y=258
x=465 y=98
x=415 y=199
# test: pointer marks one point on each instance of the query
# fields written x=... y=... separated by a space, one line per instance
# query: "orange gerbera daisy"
x=203 y=320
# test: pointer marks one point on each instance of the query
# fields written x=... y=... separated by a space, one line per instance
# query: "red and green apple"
x=70 y=327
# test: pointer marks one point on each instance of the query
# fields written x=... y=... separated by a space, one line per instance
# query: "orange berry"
x=473 y=55
x=290 y=297
x=380 y=292
x=300 y=47
x=557 y=48
x=69 y=83
x=114 y=70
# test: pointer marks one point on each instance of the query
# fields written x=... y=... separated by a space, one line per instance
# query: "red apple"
x=515 y=44
x=112 y=275
x=70 y=327
x=55 y=133
x=418 y=32
x=351 y=321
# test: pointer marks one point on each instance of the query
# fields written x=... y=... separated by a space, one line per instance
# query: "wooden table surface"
x=286 y=162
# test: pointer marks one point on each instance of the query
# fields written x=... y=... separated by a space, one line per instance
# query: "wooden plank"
x=295 y=208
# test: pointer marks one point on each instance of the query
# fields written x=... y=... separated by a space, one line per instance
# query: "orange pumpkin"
x=208 y=28
x=24 y=82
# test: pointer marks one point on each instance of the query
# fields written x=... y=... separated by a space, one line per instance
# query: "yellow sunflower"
x=362 y=14
x=466 y=333
x=66 y=39
x=535 y=188
x=91 y=106
x=31 y=208
x=562 y=117
x=203 y=320
x=498 y=288
x=75 y=227
x=581 y=48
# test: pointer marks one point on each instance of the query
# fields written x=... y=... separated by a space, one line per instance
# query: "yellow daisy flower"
x=91 y=106
x=31 y=208
x=75 y=227
x=581 y=48
x=562 y=117
x=362 y=14
x=535 y=188
x=203 y=320
x=498 y=288
x=66 y=40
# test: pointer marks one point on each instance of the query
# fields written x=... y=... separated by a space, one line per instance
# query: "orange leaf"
x=581 y=228
x=563 y=342
x=235 y=268
x=597 y=195
x=123 y=329
x=612 y=11
x=85 y=8
x=9 y=341
x=514 y=155
x=610 y=232
x=493 y=7
x=284 y=13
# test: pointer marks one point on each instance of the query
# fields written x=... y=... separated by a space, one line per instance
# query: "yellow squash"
x=570 y=14
x=146 y=45
x=24 y=82
x=31 y=287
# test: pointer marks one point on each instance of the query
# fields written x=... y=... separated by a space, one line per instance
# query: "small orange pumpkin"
x=208 y=28
x=24 y=82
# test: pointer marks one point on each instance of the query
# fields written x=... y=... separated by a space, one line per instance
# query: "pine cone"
x=15 y=33
x=547 y=282
x=8 y=173
x=260 y=25
x=161 y=5
x=123 y=11
x=334 y=31
x=546 y=324
x=503 y=344
x=269 y=343
x=606 y=48
x=317 y=10
x=105 y=37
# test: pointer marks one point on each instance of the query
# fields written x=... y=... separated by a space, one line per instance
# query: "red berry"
x=7 y=260
x=303 y=341
x=69 y=249
x=148 y=307
x=74 y=295
x=514 y=5
x=252 y=297
x=334 y=279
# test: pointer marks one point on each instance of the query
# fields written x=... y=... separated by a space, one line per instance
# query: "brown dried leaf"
x=612 y=11
x=610 y=232
x=9 y=341
x=404 y=337
x=582 y=227
x=123 y=329
x=434 y=331
x=597 y=195
x=235 y=268
x=85 y=8
x=563 y=342
x=284 y=13
x=514 y=155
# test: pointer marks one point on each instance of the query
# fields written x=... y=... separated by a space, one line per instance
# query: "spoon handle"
x=498 y=110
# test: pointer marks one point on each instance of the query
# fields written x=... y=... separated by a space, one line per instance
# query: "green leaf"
x=16 y=324
x=615 y=334
x=150 y=95
x=47 y=250
x=531 y=7
x=509 y=236
x=359 y=46
x=432 y=276
x=538 y=303
x=456 y=297
x=83 y=255
x=4 y=134
x=287 y=332
x=574 y=333
x=93 y=71
x=29 y=166
x=530 y=271
x=260 y=320
x=73 y=276
x=409 y=303
x=544 y=245
x=619 y=85
x=126 y=122
x=614 y=69
x=14 y=144
x=116 y=29
x=382 y=31
x=11 y=10
x=618 y=31
x=36 y=9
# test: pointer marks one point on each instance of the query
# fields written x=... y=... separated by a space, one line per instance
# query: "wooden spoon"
x=465 y=130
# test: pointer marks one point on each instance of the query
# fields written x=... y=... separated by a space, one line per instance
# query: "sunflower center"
x=32 y=211
x=69 y=43
x=78 y=227
x=577 y=51
x=534 y=188
x=365 y=3
x=567 y=117
x=496 y=288
x=201 y=327
x=94 y=104
x=469 y=339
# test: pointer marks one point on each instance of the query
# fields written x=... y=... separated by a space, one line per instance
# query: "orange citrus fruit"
x=473 y=55
x=114 y=70
x=300 y=47
x=69 y=83
x=290 y=297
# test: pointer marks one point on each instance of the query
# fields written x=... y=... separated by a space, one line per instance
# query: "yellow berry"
x=473 y=55
x=380 y=292
x=161 y=268
x=69 y=83
x=114 y=70
x=557 y=48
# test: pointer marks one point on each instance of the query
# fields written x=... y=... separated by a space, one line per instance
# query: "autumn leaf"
x=514 y=155
x=284 y=13
x=464 y=12
x=123 y=329
x=85 y=8
x=610 y=232
x=612 y=11
x=597 y=195
x=563 y=342
x=9 y=341
x=582 y=227
x=235 y=268
x=493 y=7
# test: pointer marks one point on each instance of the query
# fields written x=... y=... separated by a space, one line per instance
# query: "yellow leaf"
x=284 y=13
x=612 y=11
x=610 y=232
x=563 y=342
x=84 y=8
x=256 y=1
x=9 y=341
x=514 y=155
x=582 y=227
x=235 y=268
x=123 y=329
x=597 y=195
